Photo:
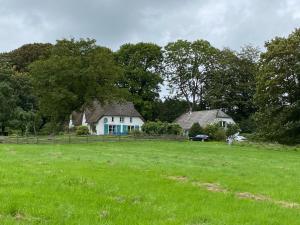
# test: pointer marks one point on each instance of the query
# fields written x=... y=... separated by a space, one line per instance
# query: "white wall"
x=227 y=120
x=136 y=121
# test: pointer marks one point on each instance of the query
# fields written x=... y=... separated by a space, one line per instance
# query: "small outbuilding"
x=109 y=119
x=204 y=118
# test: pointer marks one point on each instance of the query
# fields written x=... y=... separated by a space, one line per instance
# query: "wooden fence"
x=73 y=139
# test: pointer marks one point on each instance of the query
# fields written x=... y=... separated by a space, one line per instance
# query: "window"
x=112 y=119
x=222 y=123
x=105 y=120
x=130 y=128
x=121 y=119
x=130 y=119
x=112 y=129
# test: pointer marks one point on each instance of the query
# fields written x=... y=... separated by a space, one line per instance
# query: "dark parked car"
x=200 y=137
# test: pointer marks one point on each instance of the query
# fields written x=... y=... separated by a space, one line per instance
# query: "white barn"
x=110 y=119
x=204 y=118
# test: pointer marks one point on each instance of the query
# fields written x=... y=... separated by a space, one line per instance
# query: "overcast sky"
x=224 y=23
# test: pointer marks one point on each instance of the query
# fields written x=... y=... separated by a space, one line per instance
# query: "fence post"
x=69 y=139
x=37 y=139
x=17 y=139
x=87 y=138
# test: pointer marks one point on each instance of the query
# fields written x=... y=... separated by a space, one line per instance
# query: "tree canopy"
x=278 y=90
x=141 y=64
x=75 y=73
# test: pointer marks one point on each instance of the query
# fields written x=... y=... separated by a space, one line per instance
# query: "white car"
x=240 y=138
x=236 y=137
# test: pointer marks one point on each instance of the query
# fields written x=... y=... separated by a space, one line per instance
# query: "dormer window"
x=223 y=123
x=121 y=119
x=130 y=119
x=112 y=119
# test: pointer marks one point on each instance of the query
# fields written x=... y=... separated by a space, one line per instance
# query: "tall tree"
x=278 y=90
x=232 y=84
x=26 y=102
x=141 y=65
x=171 y=108
x=7 y=97
x=76 y=72
x=22 y=57
x=187 y=66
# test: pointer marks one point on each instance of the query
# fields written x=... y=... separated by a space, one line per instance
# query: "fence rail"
x=73 y=139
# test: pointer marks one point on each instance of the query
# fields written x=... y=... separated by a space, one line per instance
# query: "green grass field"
x=151 y=182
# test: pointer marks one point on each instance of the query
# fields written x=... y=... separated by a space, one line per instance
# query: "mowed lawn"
x=150 y=182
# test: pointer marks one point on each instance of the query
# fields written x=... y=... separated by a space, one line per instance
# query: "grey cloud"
x=225 y=23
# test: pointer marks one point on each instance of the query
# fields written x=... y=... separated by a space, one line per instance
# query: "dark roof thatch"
x=205 y=117
x=97 y=110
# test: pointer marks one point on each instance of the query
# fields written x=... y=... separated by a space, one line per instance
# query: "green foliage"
x=50 y=128
x=170 y=109
x=161 y=128
x=8 y=98
x=278 y=90
x=232 y=129
x=22 y=57
x=141 y=65
x=75 y=73
x=248 y=125
x=231 y=84
x=186 y=68
x=195 y=130
x=82 y=130
x=215 y=132
x=136 y=132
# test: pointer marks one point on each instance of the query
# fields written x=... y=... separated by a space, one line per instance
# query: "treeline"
x=40 y=84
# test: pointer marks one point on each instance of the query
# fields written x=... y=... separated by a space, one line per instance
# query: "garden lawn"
x=150 y=182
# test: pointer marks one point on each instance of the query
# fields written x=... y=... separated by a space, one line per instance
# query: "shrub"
x=160 y=128
x=248 y=125
x=215 y=132
x=232 y=129
x=82 y=130
x=174 y=128
x=51 y=128
x=195 y=129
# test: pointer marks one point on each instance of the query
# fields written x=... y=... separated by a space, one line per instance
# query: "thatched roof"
x=96 y=111
x=204 y=118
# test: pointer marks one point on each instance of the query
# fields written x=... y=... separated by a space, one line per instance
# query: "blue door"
x=106 y=129
x=118 y=129
x=125 y=129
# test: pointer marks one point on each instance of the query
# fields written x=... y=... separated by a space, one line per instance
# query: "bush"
x=248 y=125
x=232 y=129
x=136 y=133
x=174 y=128
x=195 y=130
x=160 y=128
x=82 y=130
x=51 y=128
x=215 y=132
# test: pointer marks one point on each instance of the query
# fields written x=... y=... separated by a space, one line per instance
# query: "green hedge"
x=159 y=128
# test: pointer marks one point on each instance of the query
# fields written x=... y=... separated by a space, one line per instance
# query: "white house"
x=204 y=118
x=109 y=119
